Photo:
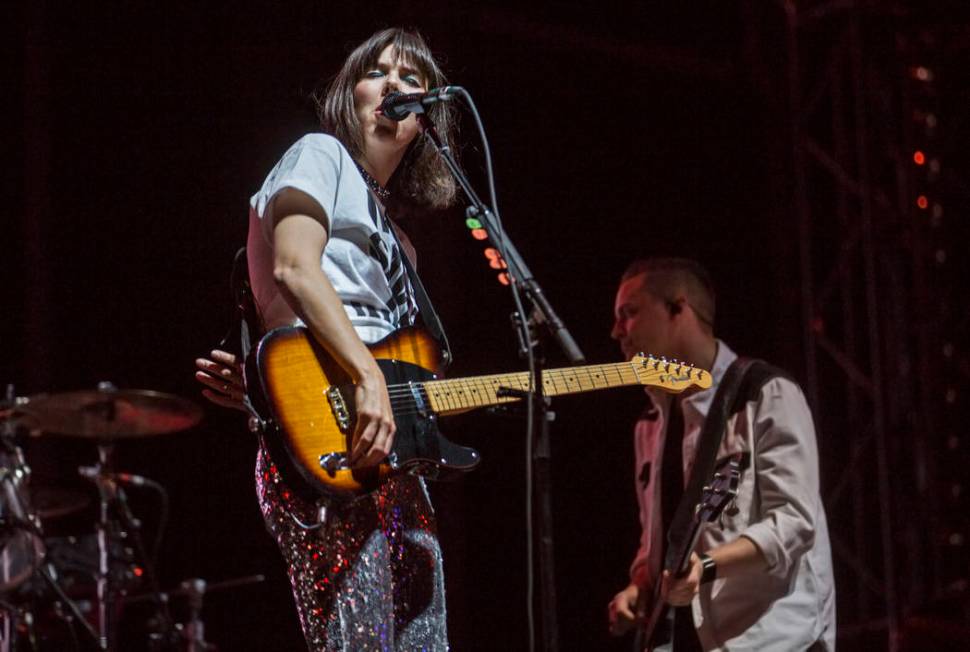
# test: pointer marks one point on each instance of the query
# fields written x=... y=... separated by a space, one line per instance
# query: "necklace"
x=379 y=190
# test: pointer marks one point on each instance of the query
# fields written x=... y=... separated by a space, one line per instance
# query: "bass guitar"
x=308 y=401
x=722 y=489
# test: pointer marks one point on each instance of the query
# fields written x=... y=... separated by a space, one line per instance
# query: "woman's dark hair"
x=422 y=174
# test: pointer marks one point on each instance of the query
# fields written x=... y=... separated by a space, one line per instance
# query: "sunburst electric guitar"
x=309 y=399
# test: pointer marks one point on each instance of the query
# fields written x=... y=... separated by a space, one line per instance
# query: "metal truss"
x=852 y=199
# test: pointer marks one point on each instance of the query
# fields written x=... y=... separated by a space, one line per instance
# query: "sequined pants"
x=371 y=577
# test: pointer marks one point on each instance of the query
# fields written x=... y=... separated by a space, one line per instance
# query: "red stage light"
x=919 y=158
x=922 y=202
x=921 y=73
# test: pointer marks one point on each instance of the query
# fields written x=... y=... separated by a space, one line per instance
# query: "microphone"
x=397 y=106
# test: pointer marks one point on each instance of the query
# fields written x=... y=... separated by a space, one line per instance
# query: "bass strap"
x=706 y=458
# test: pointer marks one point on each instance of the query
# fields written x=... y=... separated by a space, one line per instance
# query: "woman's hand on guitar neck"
x=221 y=373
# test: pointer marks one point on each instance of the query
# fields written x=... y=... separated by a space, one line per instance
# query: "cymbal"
x=110 y=414
x=197 y=586
x=55 y=502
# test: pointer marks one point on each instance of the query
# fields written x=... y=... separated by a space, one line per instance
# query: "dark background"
x=616 y=133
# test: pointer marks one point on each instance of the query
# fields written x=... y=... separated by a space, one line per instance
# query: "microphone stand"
x=542 y=313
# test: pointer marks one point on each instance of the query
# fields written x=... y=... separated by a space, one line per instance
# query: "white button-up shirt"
x=791 y=604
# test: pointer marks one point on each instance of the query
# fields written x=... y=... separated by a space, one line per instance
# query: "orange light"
x=922 y=73
x=495 y=260
x=479 y=234
x=919 y=158
x=922 y=202
x=503 y=278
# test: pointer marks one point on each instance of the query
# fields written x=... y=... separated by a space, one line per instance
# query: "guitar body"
x=310 y=398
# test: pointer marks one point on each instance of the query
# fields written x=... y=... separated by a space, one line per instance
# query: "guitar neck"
x=481 y=391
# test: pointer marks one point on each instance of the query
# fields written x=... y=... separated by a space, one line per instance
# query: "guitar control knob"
x=333 y=462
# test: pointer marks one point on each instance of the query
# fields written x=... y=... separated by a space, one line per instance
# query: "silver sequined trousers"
x=371 y=577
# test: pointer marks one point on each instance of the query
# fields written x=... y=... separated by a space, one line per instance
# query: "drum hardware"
x=116 y=523
x=108 y=415
x=21 y=544
x=23 y=552
x=192 y=632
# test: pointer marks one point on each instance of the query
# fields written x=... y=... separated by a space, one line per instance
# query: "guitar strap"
x=428 y=314
x=706 y=458
x=245 y=328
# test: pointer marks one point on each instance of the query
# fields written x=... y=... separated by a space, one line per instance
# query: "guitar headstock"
x=721 y=490
x=669 y=375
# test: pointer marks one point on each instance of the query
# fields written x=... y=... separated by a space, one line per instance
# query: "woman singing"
x=322 y=253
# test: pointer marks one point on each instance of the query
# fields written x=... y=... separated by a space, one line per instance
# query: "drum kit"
x=64 y=593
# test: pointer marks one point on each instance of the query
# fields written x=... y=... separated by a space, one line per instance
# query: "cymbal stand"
x=193 y=631
x=115 y=520
x=14 y=472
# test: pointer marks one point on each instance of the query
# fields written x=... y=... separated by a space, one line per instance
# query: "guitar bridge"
x=339 y=408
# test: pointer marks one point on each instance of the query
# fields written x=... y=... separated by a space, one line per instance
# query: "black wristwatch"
x=709 y=573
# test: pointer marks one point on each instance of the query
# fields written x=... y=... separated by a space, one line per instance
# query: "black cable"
x=163 y=516
x=150 y=560
x=530 y=357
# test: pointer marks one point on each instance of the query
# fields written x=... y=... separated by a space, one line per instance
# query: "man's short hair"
x=669 y=277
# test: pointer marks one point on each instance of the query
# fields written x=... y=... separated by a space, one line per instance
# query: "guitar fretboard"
x=480 y=391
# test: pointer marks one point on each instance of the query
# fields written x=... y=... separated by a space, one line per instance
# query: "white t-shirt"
x=361 y=258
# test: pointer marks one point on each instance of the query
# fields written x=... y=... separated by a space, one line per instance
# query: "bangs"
x=407 y=47
x=421 y=176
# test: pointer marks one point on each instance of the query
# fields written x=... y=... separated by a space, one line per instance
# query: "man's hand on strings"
x=679 y=591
